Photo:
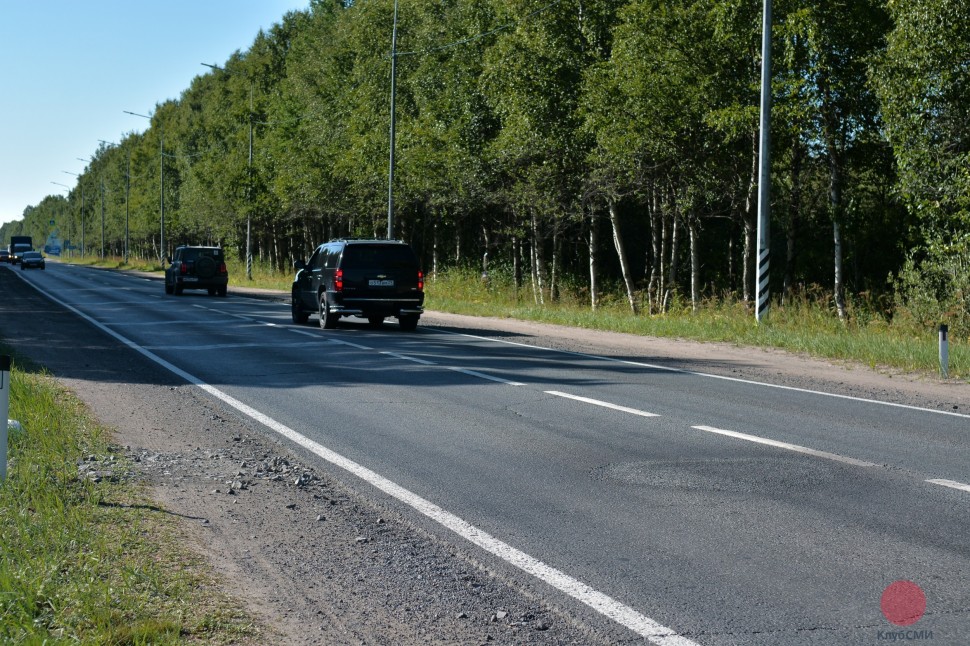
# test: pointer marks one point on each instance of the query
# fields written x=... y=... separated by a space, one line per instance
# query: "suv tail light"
x=338 y=280
x=420 y=281
x=222 y=268
x=183 y=268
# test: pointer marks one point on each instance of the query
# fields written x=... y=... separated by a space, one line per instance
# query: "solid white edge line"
x=482 y=375
x=952 y=484
x=596 y=402
x=787 y=446
x=705 y=374
x=604 y=604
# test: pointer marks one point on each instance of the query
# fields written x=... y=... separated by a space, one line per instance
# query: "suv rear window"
x=194 y=254
x=389 y=256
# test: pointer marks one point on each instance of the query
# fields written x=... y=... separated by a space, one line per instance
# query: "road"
x=684 y=506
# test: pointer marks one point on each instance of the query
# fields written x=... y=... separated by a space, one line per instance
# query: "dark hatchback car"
x=32 y=259
x=4 y=255
x=197 y=268
x=371 y=279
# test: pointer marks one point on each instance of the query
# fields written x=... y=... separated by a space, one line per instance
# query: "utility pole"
x=249 y=177
x=764 y=175
x=161 y=181
x=390 y=173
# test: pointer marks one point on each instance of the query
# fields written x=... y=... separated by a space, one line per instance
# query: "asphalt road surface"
x=686 y=507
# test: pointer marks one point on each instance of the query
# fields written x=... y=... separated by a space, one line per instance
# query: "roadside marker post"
x=944 y=353
x=4 y=409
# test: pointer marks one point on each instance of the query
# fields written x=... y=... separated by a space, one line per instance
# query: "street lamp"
x=127 y=192
x=390 y=171
x=66 y=189
x=81 y=213
x=161 y=180
x=764 y=171
x=101 y=182
x=249 y=178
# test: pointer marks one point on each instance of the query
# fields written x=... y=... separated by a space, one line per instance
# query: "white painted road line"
x=596 y=402
x=953 y=484
x=787 y=446
x=624 y=615
x=405 y=357
x=482 y=375
x=653 y=366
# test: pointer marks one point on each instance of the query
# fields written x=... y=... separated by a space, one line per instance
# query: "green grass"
x=806 y=325
x=93 y=563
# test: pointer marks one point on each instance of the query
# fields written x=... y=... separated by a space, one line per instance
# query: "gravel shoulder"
x=316 y=559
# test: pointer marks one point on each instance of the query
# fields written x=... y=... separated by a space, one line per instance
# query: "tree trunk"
x=839 y=283
x=656 y=246
x=621 y=254
x=538 y=262
x=674 y=250
x=434 y=251
x=750 y=223
x=798 y=153
x=554 y=273
x=593 y=269
x=695 y=265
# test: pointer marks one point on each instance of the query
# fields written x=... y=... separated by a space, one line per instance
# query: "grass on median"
x=93 y=562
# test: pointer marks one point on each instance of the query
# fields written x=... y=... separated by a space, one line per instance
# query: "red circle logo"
x=903 y=603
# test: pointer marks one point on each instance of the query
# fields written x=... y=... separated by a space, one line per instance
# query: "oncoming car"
x=32 y=259
x=196 y=267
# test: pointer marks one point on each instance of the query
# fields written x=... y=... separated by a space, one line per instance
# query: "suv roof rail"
x=363 y=240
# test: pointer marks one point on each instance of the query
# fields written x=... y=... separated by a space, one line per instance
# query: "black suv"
x=197 y=268
x=372 y=279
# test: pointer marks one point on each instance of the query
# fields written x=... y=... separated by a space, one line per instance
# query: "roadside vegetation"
x=592 y=145
x=877 y=334
x=86 y=557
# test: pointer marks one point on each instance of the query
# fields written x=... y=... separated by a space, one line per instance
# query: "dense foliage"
x=528 y=129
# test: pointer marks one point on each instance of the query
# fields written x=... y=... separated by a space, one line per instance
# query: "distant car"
x=4 y=255
x=371 y=279
x=196 y=267
x=32 y=259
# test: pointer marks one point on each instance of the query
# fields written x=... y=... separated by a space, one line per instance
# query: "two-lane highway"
x=686 y=507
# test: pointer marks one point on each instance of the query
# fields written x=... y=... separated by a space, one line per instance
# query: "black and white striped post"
x=4 y=410
x=764 y=169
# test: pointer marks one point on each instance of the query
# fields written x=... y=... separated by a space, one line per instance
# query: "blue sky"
x=70 y=68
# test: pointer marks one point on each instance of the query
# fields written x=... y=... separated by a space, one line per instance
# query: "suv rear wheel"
x=328 y=321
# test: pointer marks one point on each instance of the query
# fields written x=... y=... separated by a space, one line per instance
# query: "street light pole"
x=764 y=175
x=390 y=172
x=81 y=214
x=161 y=180
x=249 y=177
x=127 y=194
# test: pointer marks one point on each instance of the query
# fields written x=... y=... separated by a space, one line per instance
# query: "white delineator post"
x=4 y=410
x=944 y=352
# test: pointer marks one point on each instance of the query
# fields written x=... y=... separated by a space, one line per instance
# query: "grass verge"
x=85 y=557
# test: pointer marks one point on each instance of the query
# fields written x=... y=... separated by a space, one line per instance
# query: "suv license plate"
x=380 y=283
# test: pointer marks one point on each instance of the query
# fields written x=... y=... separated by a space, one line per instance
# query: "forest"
x=600 y=146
